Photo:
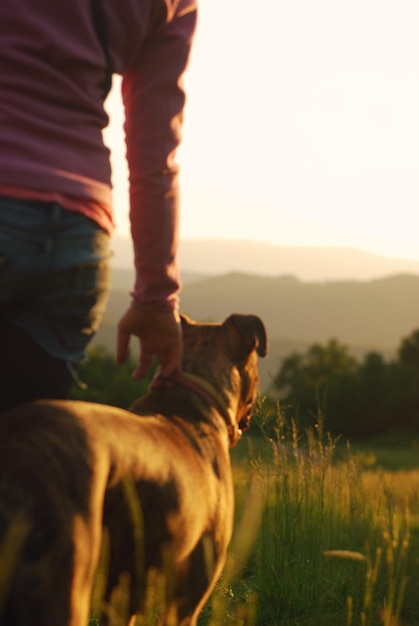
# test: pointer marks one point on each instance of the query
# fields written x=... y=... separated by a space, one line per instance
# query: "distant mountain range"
x=220 y=256
x=365 y=315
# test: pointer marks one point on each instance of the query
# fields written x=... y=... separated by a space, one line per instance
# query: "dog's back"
x=66 y=469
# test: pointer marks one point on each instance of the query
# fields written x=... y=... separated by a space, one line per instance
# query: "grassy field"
x=327 y=535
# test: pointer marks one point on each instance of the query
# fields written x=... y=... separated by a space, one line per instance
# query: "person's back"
x=54 y=62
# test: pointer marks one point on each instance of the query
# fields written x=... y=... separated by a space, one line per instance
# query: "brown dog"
x=151 y=487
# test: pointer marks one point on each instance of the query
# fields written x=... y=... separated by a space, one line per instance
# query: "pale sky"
x=301 y=126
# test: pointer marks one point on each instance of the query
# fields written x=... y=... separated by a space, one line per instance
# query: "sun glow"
x=293 y=134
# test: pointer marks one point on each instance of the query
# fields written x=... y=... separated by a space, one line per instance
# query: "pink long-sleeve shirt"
x=52 y=69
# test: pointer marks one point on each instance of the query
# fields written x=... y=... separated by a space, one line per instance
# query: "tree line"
x=350 y=397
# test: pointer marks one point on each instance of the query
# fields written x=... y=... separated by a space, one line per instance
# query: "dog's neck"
x=208 y=392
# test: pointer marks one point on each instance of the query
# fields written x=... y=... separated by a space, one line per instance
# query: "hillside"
x=372 y=315
x=222 y=256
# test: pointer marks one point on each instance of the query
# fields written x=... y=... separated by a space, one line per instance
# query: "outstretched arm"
x=154 y=101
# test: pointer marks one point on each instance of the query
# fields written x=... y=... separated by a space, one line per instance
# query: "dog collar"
x=204 y=389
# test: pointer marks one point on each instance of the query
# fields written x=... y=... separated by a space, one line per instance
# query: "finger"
x=144 y=365
x=171 y=365
x=122 y=346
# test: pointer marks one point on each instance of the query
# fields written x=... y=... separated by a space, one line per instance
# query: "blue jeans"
x=54 y=275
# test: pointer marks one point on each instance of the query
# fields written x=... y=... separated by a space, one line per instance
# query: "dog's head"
x=225 y=356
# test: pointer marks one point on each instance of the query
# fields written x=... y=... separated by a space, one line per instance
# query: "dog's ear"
x=251 y=333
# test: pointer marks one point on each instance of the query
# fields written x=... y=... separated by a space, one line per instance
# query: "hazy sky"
x=301 y=127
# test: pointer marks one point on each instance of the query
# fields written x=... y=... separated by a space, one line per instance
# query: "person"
x=56 y=218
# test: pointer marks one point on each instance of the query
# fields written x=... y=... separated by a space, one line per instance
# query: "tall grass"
x=332 y=549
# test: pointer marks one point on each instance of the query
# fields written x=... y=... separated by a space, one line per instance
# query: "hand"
x=160 y=334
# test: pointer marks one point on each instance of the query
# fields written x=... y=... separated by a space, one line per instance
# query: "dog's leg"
x=86 y=555
x=87 y=540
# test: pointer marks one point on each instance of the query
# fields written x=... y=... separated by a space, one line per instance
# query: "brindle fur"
x=67 y=470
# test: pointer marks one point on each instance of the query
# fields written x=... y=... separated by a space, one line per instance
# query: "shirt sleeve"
x=154 y=100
